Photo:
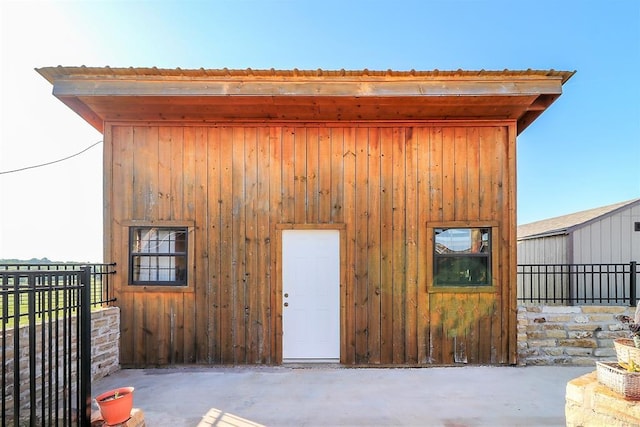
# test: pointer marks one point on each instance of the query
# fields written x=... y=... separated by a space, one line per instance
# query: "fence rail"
x=568 y=284
x=101 y=288
x=46 y=341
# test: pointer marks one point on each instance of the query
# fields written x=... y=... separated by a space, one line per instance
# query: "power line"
x=50 y=163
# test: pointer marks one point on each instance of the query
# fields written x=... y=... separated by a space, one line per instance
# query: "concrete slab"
x=339 y=396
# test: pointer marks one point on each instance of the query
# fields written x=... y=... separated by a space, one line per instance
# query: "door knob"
x=286 y=304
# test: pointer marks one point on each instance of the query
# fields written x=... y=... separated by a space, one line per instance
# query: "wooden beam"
x=315 y=87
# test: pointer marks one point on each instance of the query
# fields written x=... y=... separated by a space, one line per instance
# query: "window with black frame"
x=462 y=256
x=158 y=256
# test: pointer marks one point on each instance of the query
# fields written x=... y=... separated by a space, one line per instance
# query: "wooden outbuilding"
x=269 y=216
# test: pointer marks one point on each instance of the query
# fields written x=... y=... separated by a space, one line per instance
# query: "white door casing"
x=311 y=295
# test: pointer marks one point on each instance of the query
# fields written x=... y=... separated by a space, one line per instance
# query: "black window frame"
x=182 y=279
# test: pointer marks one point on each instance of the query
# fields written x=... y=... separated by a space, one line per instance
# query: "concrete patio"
x=338 y=396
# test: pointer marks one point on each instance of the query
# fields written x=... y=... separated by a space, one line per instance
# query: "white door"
x=310 y=295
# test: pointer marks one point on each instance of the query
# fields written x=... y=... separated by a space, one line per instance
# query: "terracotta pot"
x=115 y=405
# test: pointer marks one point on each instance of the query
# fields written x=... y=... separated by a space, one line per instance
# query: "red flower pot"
x=115 y=405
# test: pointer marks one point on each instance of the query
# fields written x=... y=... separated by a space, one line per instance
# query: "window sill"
x=462 y=289
x=158 y=288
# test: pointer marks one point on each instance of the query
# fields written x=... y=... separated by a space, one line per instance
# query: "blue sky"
x=583 y=152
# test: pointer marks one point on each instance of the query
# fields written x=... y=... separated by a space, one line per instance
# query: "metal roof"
x=566 y=223
x=53 y=73
x=105 y=94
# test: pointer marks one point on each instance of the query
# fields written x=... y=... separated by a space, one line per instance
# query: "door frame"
x=276 y=296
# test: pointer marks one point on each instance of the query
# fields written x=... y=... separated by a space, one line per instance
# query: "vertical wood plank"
x=373 y=249
x=141 y=338
x=502 y=252
x=386 y=245
x=460 y=174
x=510 y=229
x=288 y=175
x=448 y=173
x=227 y=271
x=411 y=255
x=213 y=227
x=473 y=174
x=121 y=195
x=263 y=254
x=348 y=306
x=145 y=199
x=337 y=175
x=238 y=245
x=276 y=216
x=180 y=181
x=361 y=232
x=196 y=206
x=251 y=275
x=486 y=146
x=399 y=248
x=325 y=175
x=157 y=322
x=436 y=186
x=300 y=175
x=108 y=249
x=189 y=304
x=311 y=175
x=164 y=173
x=423 y=162
x=436 y=213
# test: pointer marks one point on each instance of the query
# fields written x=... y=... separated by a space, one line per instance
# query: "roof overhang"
x=107 y=94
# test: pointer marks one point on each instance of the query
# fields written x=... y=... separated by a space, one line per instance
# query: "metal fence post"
x=31 y=304
x=632 y=282
x=85 y=348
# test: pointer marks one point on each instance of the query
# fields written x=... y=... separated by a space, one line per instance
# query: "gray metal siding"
x=611 y=239
x=544 y=250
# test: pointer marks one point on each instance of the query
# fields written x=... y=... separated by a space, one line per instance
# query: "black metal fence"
x=101 y=288
x=46 y=341
x=569 y=284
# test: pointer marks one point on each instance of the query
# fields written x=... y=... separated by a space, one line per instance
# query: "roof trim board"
x=151 y=94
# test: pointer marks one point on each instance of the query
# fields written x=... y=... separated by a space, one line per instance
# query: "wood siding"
x=236 y=184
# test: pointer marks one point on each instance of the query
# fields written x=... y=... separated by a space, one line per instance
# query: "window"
x=158 y=256
x=462 y=256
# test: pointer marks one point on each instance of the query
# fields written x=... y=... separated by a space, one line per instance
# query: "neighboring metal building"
x=586 y=257
x=608 y=234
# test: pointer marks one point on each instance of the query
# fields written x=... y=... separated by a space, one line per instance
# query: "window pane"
x=462 y=240
x=159 y=268
x=158 y=256
x=154 y=240
x=461 y=271
x=462 y=256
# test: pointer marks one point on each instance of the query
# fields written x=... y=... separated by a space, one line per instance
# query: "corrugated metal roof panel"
x=52 y=73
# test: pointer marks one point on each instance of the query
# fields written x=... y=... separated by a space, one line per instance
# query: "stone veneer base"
x=589 y=403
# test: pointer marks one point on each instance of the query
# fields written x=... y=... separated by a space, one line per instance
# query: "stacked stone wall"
x=575 y=335
x=105 y=353
x=105 y=342
x=589 y=403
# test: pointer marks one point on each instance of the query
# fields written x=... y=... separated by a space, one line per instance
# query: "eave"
x=107 y=94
